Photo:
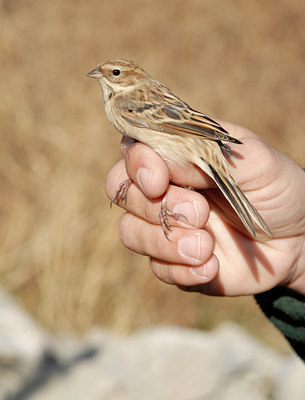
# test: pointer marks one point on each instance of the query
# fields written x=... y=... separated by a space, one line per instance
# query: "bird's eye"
x=116 y=72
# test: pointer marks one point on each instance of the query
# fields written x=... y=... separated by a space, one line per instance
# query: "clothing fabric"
x=285 y=308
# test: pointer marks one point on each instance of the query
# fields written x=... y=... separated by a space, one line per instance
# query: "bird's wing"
x=176 y=118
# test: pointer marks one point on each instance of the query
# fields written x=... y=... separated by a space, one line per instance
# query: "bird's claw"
x=164 y=214
x=120 y=195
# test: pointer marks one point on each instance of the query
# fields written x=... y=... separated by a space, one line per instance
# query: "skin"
x=210 y=251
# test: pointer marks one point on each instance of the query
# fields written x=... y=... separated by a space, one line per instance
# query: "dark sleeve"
x=286 y=310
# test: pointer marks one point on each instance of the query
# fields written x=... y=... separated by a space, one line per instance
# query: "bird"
x=147 y=111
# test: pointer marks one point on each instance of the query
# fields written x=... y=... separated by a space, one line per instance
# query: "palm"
x=248 y=265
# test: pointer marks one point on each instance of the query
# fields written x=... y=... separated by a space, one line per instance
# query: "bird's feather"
x=244 y=209
x=176 y=118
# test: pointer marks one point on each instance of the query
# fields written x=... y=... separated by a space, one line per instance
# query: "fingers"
x=187 y=259
x=185 y=246
x=190 y=204
x=187 y=278
x=146 y=169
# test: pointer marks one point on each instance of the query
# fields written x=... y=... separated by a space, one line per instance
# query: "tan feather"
x=244 y=209
x=173 y=119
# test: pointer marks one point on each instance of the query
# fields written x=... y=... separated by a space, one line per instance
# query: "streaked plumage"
x=146 y=110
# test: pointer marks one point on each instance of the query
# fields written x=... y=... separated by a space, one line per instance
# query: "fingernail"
x=199 y=271
x=144 y=178
x=205 y=270
x=190 y=210
x=190 y=248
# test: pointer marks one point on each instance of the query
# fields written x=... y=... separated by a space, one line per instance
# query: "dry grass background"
x=60 y=252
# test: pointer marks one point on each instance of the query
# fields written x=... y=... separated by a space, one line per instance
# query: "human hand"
x=211 y=252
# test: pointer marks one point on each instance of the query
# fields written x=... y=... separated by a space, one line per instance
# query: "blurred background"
x=60 y=251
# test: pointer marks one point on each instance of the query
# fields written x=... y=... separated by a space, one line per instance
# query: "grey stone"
x=174 y=363
x=290 y=382
x=22 y=340
x=187 y=364
x=162 y=363
x=22 y=345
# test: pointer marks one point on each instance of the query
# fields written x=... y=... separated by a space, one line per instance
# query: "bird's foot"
x=164 y=214
x=120 y=195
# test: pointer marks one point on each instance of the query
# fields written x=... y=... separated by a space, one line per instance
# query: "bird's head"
x=117 y=75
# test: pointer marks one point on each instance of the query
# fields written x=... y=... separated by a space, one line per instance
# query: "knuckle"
x=135 y=234
x=126 y=229
x=158 y=246
x=174 y=274
x=161 y=270
x=166 y=272
x=147 y=210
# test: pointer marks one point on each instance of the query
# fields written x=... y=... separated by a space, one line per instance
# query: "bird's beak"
x=96 y=73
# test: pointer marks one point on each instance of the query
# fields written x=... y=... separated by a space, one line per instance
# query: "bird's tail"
x=244 y=209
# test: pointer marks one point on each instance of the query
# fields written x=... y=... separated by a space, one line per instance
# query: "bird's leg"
x=120 y=198
x=188 y=188
x=164 y=214
x=120 y=195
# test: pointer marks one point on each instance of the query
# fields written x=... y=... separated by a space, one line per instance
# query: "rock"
x=161 y=363
x=290 y=381
x=22 y=345
x=174 y=363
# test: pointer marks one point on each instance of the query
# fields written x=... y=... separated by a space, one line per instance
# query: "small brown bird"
x=147 y=111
